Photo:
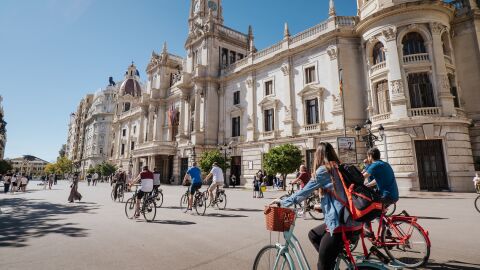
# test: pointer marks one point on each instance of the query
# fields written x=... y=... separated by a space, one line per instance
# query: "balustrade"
x=378 y=67
x=381 y=117
x=427 y=111
x=416 y=58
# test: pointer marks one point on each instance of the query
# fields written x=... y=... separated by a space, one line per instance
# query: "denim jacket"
x=335 y=213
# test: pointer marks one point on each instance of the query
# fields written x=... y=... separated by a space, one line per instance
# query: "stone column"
x=151 y=113
x=289 y=105
x=160 y=122
x=251 y=109
x=197 y=109
x=187 y=116
x=222 y=117
x=445 y=98
x=396 y=87
x=141 y=134
x=181 y=125
x=337 y=111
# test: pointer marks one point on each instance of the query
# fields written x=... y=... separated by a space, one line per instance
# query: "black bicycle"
x=148 y=206
x=220 y=200
x=158 y=196
x=120 y=192
x=199 y=202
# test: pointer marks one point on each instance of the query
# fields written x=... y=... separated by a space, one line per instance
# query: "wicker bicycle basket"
x=278 y=219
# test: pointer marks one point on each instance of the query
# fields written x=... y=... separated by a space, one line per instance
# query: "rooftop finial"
x=164 y=49
x=331 y=9
x=286 y=32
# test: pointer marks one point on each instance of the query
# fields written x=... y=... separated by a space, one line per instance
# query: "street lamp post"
x=224 y=148
x=369 y=138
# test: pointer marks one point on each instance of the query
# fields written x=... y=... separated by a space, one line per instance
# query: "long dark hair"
x=323 y=156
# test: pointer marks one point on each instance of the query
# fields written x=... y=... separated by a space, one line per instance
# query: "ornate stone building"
x=3 y=131
x=411 y=66
x=29 y=165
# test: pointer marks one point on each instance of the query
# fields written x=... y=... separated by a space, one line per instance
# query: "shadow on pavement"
x=432 y=218
x=243 y=210
x=170 y=222
x=452 y=265
x=435 y=198
x=224 y=215
x=25 y=219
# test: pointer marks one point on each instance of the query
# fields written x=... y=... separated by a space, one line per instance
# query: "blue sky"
x=53 y=52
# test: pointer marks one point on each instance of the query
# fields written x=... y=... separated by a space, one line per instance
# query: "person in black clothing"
x=120 y=179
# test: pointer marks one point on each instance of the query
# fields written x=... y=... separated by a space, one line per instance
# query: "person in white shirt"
x=217 y=180
x=23 y=183
x=156 y=179
x=476 y=183
x=95 y=179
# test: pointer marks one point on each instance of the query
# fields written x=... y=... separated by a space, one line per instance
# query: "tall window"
x=232 y=57
x=312 y=111
x=453 y=90
x=236 y=126
x=378 y=53
x=224 y=57
x=122 y=152
x=134 y=129
x=421 y=91
x=126 y=107
x=268 y=88
x=236 y=97
x=383 y=97
x=310 y=75
x=240 y=56
x=269 y=120
x=124 y=132
x=413 y=43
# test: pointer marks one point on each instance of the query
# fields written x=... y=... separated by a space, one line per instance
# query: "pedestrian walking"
x=74 y=194
x=95 y=179
x=6 y=182
x=13 y=184
x=51 y=178
x=256 y=186
x=233 y=180
x=55 y=179
x=23 y=183
x=89 y=179
x=476 y=183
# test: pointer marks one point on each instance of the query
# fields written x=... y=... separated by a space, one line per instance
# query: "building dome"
x=131 y=85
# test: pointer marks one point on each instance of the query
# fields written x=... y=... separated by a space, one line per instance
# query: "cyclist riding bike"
x=217 y=181
x=303 y=177
x=120 y=180
x=196 y=175
x=156 y=180
x=379 y=173
x=328 y=238
x=146 y=178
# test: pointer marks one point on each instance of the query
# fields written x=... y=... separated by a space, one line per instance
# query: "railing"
x=381 y=117
x=345 y=21
x=378 y=67
x=415 y=58
x=312 y=127
x=428 y=111
x=268 y=50
x=448 y=59
x=232 y=33
x=319 y=28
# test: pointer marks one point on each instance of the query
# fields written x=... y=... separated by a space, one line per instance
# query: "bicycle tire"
x=149 y=209
x=112 y=195
x=477 y=203
x=312 y=212
x=200 y=204
x=397 y=257
x=159 y=199
x=130 y=208
x=343 y=263
x=222 y=201
x=270 y=261
x=184 y=202
x=391 y=210
x=120 y=195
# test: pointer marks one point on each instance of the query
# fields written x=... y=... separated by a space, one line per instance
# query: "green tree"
x=64 y=165
x=209 y=157
x=91 y=170
x=5 y=166
x=51 y=168
x=283 y=159
x=107 y=169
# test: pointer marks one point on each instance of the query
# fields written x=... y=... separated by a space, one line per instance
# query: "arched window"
x=413 y=43
x=383 y=97
x=378 y=53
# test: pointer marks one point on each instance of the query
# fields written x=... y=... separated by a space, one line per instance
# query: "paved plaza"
x=40 y=230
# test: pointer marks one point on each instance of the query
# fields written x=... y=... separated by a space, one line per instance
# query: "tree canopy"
x=5 y=166
x=283 y=159
x=209 y=157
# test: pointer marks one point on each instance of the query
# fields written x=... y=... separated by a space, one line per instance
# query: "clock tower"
x=200 y=9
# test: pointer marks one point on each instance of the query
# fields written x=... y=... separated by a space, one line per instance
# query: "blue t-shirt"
x=382 y=172
x=195 y=174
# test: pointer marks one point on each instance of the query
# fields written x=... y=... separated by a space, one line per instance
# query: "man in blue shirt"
x=381 y=174
x=196 y=176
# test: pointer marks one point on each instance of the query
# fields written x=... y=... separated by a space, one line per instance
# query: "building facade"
x=3 y=131
x=29 y=165
x=409 y=66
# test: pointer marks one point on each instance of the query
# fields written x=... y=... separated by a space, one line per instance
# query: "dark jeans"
x=328 y=246
x=117 y=186
x=6 y=187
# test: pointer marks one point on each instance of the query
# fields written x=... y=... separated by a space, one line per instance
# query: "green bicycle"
x=289 y=255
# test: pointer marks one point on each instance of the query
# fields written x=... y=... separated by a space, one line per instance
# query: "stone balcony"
x=416 y=58
x=375 y=69
x=381 y=117
x=427 y=111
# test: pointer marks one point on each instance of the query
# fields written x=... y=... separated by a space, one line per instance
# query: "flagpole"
x=340 y=75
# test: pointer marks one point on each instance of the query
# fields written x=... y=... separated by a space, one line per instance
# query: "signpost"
x=347 y=151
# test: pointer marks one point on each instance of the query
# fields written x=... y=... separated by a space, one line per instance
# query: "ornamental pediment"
x=269 y=101
x=311 y=90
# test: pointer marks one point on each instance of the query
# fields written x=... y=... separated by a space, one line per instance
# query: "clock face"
x=212 y=5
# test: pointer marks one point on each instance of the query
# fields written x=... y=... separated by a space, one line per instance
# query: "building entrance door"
x=183 y=168
x=236 y=169
x=431 y=165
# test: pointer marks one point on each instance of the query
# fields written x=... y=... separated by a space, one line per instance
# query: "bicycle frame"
x=292 y=243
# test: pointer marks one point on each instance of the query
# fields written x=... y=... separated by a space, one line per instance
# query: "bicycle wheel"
x=130 y=208
x=343 y=263
x=184 y=202
x=149 y=209
x=120 y=195
x=112 y=195
x=159 y=199
x=200 y=204
x=477 y=203
x=406 y=244
x=311 y=208
x=222 y=201
x=269 y=259
x=391 y=209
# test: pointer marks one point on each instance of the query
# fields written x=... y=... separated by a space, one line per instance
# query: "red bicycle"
x=402 y=238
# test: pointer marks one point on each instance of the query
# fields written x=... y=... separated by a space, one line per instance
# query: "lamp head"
x=357 y=130
x=381 y=130
x=368 y=124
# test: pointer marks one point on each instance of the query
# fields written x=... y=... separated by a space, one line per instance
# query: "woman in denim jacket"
x=327 y=238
